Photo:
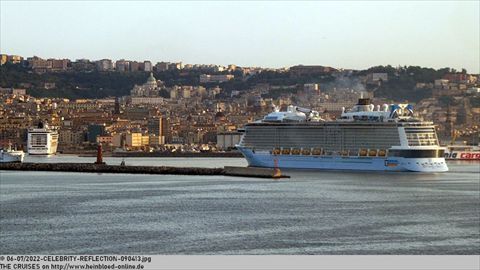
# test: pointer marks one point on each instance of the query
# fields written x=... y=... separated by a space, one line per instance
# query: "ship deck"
x=341 y=123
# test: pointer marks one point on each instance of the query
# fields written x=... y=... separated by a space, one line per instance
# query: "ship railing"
x=320 y=151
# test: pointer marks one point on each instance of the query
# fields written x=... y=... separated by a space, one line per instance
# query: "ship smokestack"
x=363 y=101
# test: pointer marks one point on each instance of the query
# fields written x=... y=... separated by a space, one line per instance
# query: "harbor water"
x=313 y=212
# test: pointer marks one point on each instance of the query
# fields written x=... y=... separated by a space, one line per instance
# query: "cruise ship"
x=42 y=140
x=366 y=137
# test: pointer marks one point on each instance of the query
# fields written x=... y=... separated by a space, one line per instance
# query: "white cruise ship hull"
x=266 y=159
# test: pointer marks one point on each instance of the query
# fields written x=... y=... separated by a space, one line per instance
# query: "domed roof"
x=151 y=78
x=151 y=81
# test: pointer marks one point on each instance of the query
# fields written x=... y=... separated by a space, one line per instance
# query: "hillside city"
x=169 y=107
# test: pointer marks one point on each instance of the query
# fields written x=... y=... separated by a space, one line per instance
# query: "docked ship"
x=42 y=140
x=10 y=155
x=366 y=137
x=462 y=152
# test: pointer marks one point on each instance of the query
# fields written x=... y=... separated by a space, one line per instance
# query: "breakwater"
x=178 y=154
x=103 y=168
x=157 y=154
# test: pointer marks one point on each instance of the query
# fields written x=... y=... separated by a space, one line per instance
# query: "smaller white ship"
x=42 y=140
x=10 y=155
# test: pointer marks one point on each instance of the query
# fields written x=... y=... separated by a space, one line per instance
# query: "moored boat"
x=10 y=155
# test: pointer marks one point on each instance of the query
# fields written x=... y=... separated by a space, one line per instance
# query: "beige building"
x=228 y=140
x=14 y=59
x=122 y=65
x=105 y=139
x=104 y=65
x=147 y=100
x=39 y=65
x=59 y=65
x=133 y=139
x=19 y=91
x=174 y=92
x=374 y=78
x=117 y=140
x=68 y=138
x=155 y=140
x=187 y=91
x=201 y=91
x=3 y=59
x=301 y=70
x=147 y=66
x=205 y=78
x=145 y=140
x=441 y=84
x=134 y=66
x=311 y=88
x=78 y=105
x=162 y=66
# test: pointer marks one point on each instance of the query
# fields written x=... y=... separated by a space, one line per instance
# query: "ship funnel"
x=363 y=101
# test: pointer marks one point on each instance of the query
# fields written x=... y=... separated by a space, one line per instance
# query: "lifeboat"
x=372 y=152
x=295 y=151
x=362 y=152
x=306 y=152
x=317 y=152
x=276 y=151
x=286 y=151
x=344 y=153
x=382 y=153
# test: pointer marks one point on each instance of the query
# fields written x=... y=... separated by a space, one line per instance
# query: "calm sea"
x=313 y=212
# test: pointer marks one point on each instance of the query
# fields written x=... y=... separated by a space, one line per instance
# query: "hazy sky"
x=348 y=34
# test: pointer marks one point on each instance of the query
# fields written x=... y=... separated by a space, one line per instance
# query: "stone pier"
x=103 y=168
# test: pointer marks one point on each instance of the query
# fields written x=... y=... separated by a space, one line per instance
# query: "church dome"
x=151 y=78
x=151 y=81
